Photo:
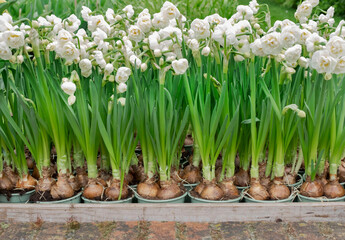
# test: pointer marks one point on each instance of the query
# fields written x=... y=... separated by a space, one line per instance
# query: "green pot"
x=74 y=199
x=298 y=183
x=302 y=198
x=127 y=200
x=200 y=200
x=180 y=199
x=241 y=188
x=17 y=198
x=190 y=186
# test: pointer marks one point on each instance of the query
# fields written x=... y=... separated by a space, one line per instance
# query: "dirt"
x=45 y=196
x=8 y=193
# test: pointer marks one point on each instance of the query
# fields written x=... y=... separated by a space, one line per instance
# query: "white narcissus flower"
x=170 y=10
x=14 y=39
x=144 y=13
x=85 y=13
x=245 y=12
x=99 y=35
x=303 y=11
x=270 y=43
x=254 y=6
x=314 y=42
x=71 y=100
x=257 y=48
x=153 y=41
x=290 y=35
x=215 y=19
x=144 y=23
x=110 y=16
x=200 y=28
x=122 y=101
x=304 y=34
x=135 y=61
x=68 y=51
x=121 y=88
x=129 y=11
x=336 y=46
x=5 y=51
x=206 y=51
x=303 y=62
x=180 y=66
x=193 y=44
x=292 y=54
x=135 y=33
x=98 y=21
x=225 y=32
x=109 y=68
x=313 y=3
x=63 y=37
x=323 y=62
x=5 y=22
x=340 y=67
x=72 y=23
x=98 y=55
x=68 y=87
x=122 y=74
x=160 y=21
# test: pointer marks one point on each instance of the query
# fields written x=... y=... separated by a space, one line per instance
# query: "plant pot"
x=127 y=200
x=190 y=186
x=201 y=200
x=16 y=197
x=75 y=199
x=180 y=199
x=302 y=198
x=242 y=188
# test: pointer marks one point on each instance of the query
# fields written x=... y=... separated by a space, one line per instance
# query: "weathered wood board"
x=174 y=212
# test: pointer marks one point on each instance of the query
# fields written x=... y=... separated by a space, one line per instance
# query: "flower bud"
x=71 y=99
x=328 y=76
x=122 y=101
x=205 y=51
x=157 y=53
x=143 y=67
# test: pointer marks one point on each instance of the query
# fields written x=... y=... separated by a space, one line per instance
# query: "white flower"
x=5 y=51
x=200 y=28
x=330 y=12
x=135 y=61
x=336 y=46
x=20 y=59
x=153 y=41
x=110 y=16
x=122 y=74
x=144 y=23
x=122 y=101
x=304 y=34
x=193 y=44
x=170 y=10
x=270 y=43
x=245 y=12
x=109 y=68
x=144 y=13
x=292 y=54
x=85 y=13
x=205 y=51
x=290 y=35
x=143 y=67
x=180 y=66
x=225 y=32
x=68 y=51
x=215 y=19
x=340 y=67
x=72 y=24
x=98 y=21
x=160 y=21
x=68 y=87
x=98 y=55
x=254 y=6
x=314 y=41
x=303 y=62
x=71 y=99
x=135 y=33
x=313 y=3
x=99 y=35
x=257 y=48
x=129 y=11
x=63 y=37
x=5 y=22
x=322 y=62
x=14 y=39
x=303 y=11
x=121 y=88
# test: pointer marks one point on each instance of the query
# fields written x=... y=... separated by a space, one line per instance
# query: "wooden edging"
x=174 y=212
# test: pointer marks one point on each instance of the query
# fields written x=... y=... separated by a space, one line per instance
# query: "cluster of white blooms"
x=116 y=41
x=69 y=87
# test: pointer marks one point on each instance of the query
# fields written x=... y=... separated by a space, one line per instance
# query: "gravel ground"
x=171 y=230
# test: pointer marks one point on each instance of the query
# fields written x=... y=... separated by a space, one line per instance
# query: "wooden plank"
x=174 y=212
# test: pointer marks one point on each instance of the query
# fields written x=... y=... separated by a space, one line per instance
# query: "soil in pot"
x=242 y=178
x=8 y=193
